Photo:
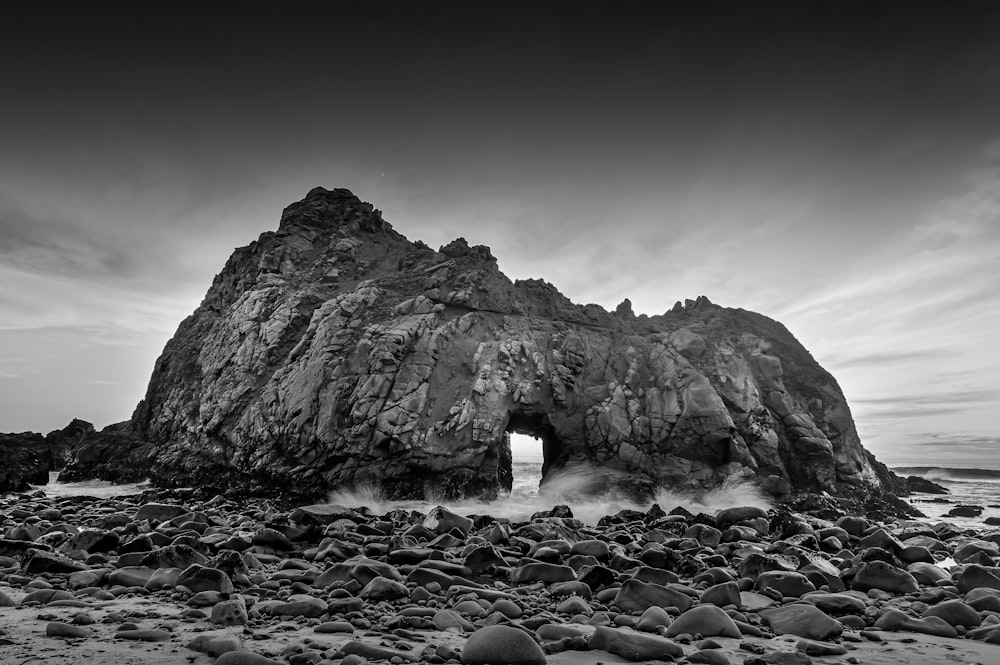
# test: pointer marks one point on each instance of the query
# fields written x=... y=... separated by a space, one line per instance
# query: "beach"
x=179 y=577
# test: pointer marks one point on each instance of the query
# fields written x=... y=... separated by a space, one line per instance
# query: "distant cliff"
x=335 y=352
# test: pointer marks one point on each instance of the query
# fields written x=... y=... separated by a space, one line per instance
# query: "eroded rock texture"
x=335 y=352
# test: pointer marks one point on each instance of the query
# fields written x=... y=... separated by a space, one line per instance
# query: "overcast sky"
x=832 y=165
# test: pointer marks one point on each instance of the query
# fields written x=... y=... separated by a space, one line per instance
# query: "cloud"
x=952 y=396
x=16 y=367
x=889 y=357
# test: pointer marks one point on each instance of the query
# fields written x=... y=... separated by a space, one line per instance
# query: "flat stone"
x=884 y=576
x=60 y=629
x=637 y=596
x=549 y=573
x=245 y=658
x=802 y=619
x=143 y=635
x=634 y=646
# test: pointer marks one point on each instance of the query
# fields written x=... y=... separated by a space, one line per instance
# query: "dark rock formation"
x=24 y=459
x=335 y=352
x=63 y=441
x=115 y=454
x=83 y=453
x=919 y=484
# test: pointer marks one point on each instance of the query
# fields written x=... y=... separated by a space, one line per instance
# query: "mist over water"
x=101 y=489
x=968 y=486
x=571 y=486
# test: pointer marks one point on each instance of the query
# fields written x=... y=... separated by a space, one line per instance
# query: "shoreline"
x=146 y=578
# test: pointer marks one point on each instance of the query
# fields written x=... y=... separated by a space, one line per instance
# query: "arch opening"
x=532 y=447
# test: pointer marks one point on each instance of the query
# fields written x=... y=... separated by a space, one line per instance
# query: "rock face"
x=335 y=353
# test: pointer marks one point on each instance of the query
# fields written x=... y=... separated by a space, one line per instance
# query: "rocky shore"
x=177 y=577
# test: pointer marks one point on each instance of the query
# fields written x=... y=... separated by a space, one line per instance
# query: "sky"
x=832 y=165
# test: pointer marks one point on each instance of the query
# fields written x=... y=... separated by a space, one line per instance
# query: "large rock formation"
x=81 y=452
x=335 y=352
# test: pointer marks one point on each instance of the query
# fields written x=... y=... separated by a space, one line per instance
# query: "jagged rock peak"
x=335 y=352
x=323 y=207
x=459 y=247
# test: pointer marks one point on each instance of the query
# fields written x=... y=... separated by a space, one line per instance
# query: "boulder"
x=704 y=620
x=955 y=613
x=894 y=620
x=634 y=646
x=636 y=596
x=884 y=576
x=501 y=645
x=802 y=619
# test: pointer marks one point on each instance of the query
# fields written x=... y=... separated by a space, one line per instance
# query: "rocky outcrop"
x=335 y=353
x=115 y=454
x=24 y=459
x=78 y=450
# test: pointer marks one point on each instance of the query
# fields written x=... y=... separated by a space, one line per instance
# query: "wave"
x=573 y=486
x=937 y=473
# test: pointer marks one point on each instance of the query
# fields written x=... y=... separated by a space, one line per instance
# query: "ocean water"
x=978 y=487
x=100 y=489
x=570 y=488
x=975 y=487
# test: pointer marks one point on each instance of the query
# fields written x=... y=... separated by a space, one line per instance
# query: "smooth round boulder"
x=836 y=604
x=502 y=645
x=653 y=619
x=704 y=620
x=382 y=588
x=595 y=548
x=987 y=600
x=955 y=613
x=729 y=516
x=787 y=583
